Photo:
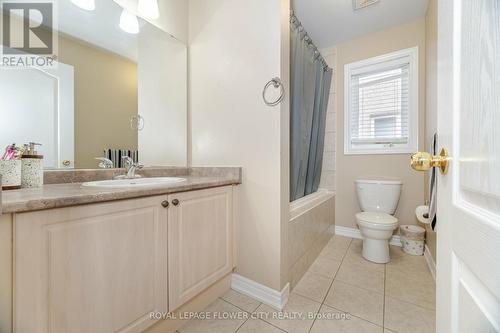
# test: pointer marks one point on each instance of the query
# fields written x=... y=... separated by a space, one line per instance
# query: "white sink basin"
x=134 y=183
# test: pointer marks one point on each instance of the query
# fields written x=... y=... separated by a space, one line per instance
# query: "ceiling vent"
x=358 y=4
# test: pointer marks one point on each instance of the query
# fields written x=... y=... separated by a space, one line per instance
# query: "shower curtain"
x=311 y=80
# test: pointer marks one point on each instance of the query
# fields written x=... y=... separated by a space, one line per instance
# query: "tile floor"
x=341 y=292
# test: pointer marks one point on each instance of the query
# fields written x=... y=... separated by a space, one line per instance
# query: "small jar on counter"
x=10 y=171
x=32 y=167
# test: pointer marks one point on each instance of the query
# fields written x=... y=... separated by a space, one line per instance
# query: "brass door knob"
x=66 y=163
x=423 y=161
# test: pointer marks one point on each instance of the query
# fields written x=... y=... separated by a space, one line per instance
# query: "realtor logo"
x=28 y=34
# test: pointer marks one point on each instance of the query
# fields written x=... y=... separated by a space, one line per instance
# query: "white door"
x=37 y=105
x=468 y=253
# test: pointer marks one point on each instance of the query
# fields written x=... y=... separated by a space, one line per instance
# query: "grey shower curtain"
x=311 y=80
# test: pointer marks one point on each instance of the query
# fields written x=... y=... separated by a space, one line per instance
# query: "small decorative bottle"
x=32 y=167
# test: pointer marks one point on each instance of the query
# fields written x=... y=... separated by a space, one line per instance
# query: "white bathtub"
x=305 y=204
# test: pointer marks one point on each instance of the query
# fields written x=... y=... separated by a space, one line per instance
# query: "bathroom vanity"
x=85 y=252
x=101 y=260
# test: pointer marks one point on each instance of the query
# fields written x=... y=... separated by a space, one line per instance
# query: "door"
x=51 y=93
x=200 y=242
x=468 y=252
x=95 y=268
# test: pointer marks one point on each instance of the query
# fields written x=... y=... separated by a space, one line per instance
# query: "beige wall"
x=105 y=99
x=231 y=57
x=285 y=274
x=162 y=76
x=351 y=167
x=431 y=99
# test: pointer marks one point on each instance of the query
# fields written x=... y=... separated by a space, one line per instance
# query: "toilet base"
x=376 y=250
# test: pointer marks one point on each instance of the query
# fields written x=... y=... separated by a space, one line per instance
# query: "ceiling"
x=330 y=22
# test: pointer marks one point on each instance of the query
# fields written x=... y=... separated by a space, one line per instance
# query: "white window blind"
x=382 y=104
x=380 y=107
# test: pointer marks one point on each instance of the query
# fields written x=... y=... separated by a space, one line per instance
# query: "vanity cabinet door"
x=94 y=268
x=200 y=236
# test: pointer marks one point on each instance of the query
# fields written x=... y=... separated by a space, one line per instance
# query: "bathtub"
x=312 y=220
x=303 y=205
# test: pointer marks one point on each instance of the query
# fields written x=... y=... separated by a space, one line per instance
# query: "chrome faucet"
x=105 y=163
x=131 y=168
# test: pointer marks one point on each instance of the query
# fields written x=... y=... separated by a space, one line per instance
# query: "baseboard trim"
x=273 y=298
x=430 y=261
x=355 y=233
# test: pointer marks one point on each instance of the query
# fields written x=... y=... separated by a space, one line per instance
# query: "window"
x=381 y=103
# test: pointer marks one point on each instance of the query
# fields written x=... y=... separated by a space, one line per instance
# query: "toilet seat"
x=376 y=220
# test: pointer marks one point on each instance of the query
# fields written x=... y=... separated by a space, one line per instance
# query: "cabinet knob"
x=165 y=204
x=175 y=202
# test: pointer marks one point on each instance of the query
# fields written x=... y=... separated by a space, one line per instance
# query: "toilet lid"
x=374 y=217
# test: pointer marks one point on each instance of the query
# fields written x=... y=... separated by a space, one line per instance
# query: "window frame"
x=380 y=63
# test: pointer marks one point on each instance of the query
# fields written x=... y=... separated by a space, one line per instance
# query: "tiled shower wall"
x=328 y=173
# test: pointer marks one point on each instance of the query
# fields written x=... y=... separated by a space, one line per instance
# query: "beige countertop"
x=72 y=194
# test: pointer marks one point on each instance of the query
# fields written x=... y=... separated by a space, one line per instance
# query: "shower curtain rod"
x=298 y=25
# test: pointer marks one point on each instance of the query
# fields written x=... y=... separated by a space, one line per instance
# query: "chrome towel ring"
x=137 y=123
x=276 y=83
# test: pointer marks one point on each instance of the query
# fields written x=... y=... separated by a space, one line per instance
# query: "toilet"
x=378 y=200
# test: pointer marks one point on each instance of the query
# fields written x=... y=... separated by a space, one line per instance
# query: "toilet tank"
x=378 y=195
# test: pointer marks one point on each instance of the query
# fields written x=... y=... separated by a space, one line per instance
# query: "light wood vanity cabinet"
x=105 y=267
x=95 y=268
x=200 y=244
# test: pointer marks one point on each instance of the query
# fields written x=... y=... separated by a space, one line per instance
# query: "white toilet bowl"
x=378 y=200
x=376 y=229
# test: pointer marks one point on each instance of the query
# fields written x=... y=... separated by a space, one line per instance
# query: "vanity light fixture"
x=85 y=4
x=129 y=22
x=149 y=9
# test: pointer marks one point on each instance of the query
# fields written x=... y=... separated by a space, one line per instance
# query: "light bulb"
x=85 y=4
x=129 y=22
x=149 y=9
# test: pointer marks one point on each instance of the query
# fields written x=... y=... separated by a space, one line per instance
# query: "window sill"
x=404 y=151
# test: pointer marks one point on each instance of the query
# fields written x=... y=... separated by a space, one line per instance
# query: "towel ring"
x=276 y=83
x=137 y=123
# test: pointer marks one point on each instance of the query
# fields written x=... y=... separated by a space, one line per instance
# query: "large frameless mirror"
x=119 y=88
